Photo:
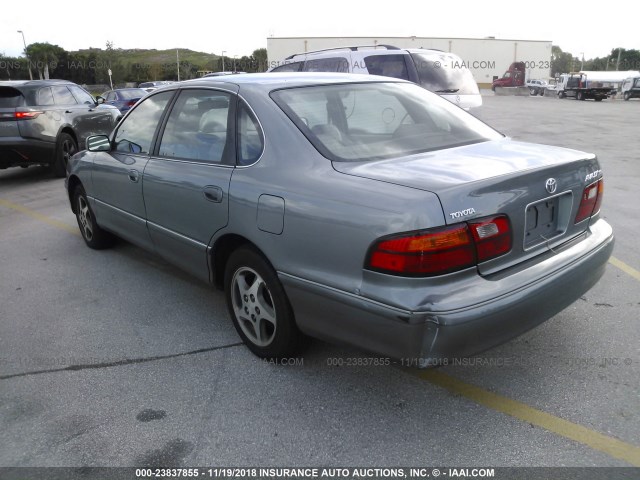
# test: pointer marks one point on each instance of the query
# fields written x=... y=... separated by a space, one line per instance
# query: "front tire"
x=66 y=147
x=627 y=96
x=259 y=307
x=93 y=235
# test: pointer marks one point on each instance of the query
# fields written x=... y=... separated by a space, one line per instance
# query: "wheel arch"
x=222 y=250
x=72 y=184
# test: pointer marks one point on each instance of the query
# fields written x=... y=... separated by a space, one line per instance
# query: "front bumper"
x=432 y=333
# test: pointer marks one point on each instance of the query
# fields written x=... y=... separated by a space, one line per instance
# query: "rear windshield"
x=444 y=74
x=132 y=93
x=10 y=98
x=371 y=121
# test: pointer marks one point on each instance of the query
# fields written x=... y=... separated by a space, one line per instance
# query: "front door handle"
x=134 y=176
x=213 y=193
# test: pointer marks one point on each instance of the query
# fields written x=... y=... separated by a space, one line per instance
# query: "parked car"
x=151 y=86
x=350 y=208
x=221 y=74
x=122 y=98
x=440 y=72
x=44 y=122
x=536 y=87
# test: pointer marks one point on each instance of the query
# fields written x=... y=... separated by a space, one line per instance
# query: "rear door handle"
x=134 y=176
x=213 y=193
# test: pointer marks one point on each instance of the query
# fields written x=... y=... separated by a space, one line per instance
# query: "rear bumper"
x=432 y=333
x=18 y=151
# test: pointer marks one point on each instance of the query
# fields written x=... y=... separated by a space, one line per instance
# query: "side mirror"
x=99 y=100
x=98 y=143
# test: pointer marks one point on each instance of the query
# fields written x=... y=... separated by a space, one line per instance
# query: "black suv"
x=42 y=122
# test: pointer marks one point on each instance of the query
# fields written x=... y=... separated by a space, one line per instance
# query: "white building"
x=487 y=58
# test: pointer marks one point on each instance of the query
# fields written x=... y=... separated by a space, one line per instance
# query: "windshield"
x=443 y=73
x=370 y=121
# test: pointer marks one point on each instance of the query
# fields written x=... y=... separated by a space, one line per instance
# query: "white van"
x=440 y=72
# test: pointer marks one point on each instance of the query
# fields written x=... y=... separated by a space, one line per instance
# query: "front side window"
x=370 y=121
x=387 y=66
x=62 y=95
x=336 y=64
x=135 y=134
x=197 y=128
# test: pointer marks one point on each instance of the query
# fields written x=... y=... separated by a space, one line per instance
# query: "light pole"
x=223 y=52
x=26 y=54
x=234 y=62
x=582 y=61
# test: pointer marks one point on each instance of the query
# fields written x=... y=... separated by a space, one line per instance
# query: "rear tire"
x=93 y=235
x=259 y=307
x=579 y=96
x=66 y=147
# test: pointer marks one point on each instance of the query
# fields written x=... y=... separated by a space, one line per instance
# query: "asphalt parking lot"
x=115 y=358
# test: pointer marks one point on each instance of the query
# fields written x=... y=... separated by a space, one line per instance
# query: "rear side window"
x=62 y=96
x=45 y=97
x=336 y=64
x=387 y=65
x=250 y=139
x=197 y=128
x=289 y=67
x=10 y=98
x=136 y=132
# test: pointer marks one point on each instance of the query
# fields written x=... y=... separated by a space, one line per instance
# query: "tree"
x=260 y=56
x=44 y=56
x=561 y=62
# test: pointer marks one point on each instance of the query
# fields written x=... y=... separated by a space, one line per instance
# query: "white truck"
x=631 y=88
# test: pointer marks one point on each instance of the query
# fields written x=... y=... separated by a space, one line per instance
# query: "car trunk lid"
x=538 y=187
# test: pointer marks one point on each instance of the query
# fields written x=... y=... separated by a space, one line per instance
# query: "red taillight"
x=26 y=115
x=442 y=250
x=492 y=237
x=591 y=201
x=131 y=103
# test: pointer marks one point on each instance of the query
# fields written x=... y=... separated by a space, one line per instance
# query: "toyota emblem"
x=551 y=185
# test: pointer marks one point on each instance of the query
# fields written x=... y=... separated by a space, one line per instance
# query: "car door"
x=117 y=175
x=89 y=119
x=186 y=182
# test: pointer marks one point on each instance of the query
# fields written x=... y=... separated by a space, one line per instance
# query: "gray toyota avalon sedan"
x=356 y=209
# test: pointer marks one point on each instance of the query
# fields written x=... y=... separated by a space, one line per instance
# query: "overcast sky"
x=239 y=27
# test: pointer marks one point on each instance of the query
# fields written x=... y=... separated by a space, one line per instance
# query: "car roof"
x=274 y=81
x=35 y=83
x=379 y=49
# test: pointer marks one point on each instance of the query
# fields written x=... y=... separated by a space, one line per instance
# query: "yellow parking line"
x=38 y=216
x=598 y=441
x=625 y=268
